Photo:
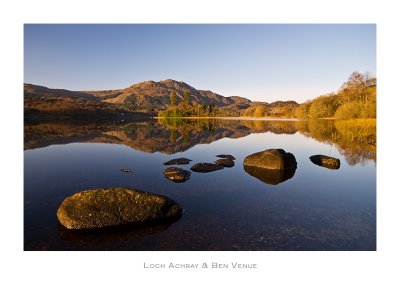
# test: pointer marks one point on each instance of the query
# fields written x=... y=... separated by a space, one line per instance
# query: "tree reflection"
x=355 y=139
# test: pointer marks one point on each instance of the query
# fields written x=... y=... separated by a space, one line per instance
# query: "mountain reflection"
x=355 y=139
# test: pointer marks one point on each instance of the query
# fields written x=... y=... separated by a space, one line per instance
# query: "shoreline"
x=228 y=118
x=257 y=118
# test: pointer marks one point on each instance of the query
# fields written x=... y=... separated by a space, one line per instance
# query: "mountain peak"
x=169 y=81
x=176 y=84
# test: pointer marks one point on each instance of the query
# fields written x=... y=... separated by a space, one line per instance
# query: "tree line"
x=187 y=109
x=355 y=99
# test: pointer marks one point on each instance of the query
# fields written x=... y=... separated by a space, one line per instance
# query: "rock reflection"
x=93 y=237
x=268 y=176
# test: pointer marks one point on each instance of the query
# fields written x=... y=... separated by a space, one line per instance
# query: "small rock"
x=227 y=163
x=177 y=175
x=179 y=161
x=100 y=208
x=326 y=161
x=206 y=167
x=225 y=156
x=126 y=170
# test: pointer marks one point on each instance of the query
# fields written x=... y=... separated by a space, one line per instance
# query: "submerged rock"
x=225 y=156
x=268 y=176
x=179 y=161
x=273 y=159
x=326 y=161
x=227 y=163
x=206 y=167
x=100 y=208
x=126 y=170
x=176 y=174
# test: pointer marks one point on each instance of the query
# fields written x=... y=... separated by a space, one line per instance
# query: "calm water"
x=316 y=209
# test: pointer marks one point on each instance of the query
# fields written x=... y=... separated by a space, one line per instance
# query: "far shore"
x=254 y=118
x=229 y=118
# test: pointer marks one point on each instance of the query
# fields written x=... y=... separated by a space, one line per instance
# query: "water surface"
x=315 y=208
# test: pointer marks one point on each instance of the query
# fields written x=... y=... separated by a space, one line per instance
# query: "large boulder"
x=100 y=208
x=206 y=167
x=273 y=159
x=177 y=175
x=268 y=176
x=326 y=161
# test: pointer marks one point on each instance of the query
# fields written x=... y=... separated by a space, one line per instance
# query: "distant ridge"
x=30 y=89
x=147 y=97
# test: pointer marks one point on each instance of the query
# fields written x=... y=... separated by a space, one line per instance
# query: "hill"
x=147 y=98
x=31 y=90
x=153 y=96
x=44 y=104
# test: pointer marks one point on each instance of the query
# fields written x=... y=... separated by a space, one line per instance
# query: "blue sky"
x=261 y=62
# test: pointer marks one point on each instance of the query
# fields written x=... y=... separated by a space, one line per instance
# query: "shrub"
x=349 y=110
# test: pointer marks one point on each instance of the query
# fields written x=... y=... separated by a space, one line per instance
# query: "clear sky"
x=261 y=62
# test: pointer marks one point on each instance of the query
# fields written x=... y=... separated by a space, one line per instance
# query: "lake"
x=314 y=208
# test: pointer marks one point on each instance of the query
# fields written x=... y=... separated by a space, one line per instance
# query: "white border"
x=275 y=267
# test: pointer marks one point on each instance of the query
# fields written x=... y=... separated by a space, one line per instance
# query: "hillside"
x=44 y=104
x=155 y=96
x=275 y=109
x=31 y=90
x=147 y=98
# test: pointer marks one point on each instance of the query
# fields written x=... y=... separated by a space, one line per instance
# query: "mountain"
x=155 y=96
x=147 y=97
x=45 y=104
x=31 y=90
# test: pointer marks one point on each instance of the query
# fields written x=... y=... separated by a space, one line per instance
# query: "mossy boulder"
x=177 y=175
x=226 y=163
x=100 y=208
x=179 y=161
x=206 y=167
x=326 y=161
x=273 y=159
